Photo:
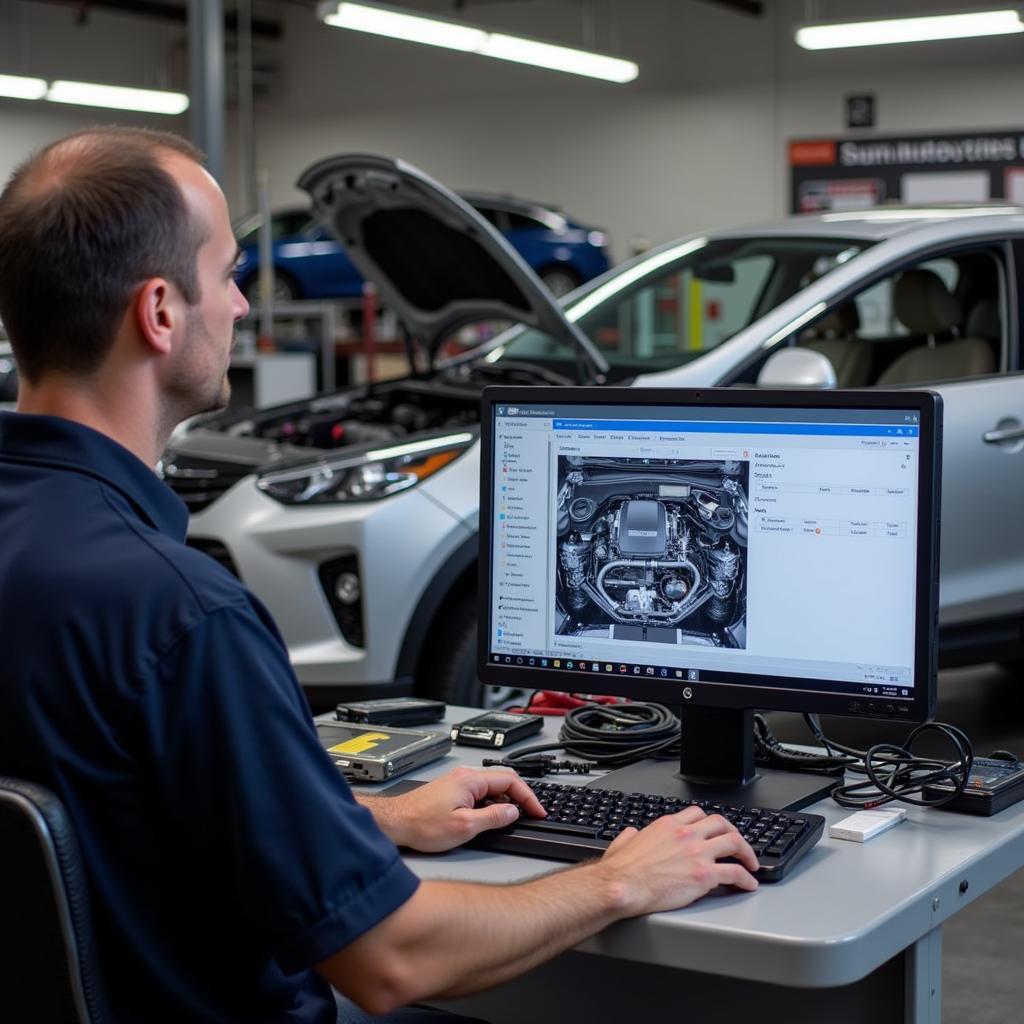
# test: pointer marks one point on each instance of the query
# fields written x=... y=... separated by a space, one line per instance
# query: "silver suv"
x=354 y=515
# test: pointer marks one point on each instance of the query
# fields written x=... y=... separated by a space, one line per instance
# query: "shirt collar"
x=65 y=444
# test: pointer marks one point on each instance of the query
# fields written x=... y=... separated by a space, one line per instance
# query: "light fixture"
x=20 y=88
x=91 y=94
x=886 y=31
x=397 y=24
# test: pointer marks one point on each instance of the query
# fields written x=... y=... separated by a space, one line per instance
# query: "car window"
x=691 y=305
x=518 y=221
x=875 y=305
x=282 y=225
x=683 y=313
x=886 y=336
x=491 y=215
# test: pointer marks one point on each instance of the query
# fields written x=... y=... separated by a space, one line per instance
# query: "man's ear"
x=156 y=309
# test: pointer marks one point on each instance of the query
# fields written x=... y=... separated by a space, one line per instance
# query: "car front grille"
x=216 y=550
x=200 y=482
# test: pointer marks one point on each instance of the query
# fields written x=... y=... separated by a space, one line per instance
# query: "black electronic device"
x=720 y=550
x=994 y=783
x=391 y=711
x=496 y=729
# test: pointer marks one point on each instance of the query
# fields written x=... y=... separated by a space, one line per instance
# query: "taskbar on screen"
x=629 y=670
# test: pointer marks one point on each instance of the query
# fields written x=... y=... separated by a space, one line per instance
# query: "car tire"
x=449 y=668
x=559 y=280
x=286 y=288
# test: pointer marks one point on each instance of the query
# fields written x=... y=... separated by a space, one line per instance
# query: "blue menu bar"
x=706 y=427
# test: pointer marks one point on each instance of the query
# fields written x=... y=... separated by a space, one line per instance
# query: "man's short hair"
x=83 y=223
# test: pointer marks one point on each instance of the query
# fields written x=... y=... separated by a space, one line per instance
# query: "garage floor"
x=981 y=977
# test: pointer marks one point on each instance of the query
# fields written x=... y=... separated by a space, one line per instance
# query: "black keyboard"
x=582 y=822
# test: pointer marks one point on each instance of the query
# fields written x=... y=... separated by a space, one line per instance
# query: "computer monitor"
x=719 y=551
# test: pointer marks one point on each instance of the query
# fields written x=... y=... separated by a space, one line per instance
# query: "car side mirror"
x=797 y=368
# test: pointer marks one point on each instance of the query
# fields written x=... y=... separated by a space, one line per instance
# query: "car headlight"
x=367 y=477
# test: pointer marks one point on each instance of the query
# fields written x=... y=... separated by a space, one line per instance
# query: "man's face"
x=197 y=377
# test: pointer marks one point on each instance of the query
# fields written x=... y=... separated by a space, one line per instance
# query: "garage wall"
x=697 y=142
x=653 y=169
x=49 y=41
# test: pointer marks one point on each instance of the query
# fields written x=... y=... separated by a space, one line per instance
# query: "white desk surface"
x=845 y=909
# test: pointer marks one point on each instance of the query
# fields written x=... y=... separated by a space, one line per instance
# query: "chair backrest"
x=48 y=969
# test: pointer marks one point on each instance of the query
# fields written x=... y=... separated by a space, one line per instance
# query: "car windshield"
x=682 y=301
x=283 y=224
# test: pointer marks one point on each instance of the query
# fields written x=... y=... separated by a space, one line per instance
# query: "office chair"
x=48 y=968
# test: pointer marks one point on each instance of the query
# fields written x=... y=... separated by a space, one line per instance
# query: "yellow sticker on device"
x=359 y=744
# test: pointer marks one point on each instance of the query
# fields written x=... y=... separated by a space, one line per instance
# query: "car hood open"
x=435 y=261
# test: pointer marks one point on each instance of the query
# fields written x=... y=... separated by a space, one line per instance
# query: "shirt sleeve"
x=270 y=823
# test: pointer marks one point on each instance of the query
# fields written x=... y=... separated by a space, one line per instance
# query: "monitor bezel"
x=735 y=692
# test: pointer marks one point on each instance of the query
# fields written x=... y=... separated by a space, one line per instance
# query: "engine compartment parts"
x=374 y=414
x=652 y=550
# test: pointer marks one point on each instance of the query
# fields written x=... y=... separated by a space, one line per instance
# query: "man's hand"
x=675 y=860
x=452 y=809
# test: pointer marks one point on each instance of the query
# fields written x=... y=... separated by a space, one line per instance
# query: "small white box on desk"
x=865 y=825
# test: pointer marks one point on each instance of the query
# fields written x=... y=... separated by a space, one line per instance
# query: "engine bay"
x=652 y=550
x=368 y=415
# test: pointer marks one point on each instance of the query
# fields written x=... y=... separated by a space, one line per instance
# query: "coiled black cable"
x=608 y=736
x=895 y=772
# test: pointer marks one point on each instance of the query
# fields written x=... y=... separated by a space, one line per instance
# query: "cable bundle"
x=604 y=736
x=615 y=735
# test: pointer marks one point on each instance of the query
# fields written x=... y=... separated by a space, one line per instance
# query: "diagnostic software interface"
x=669 y=542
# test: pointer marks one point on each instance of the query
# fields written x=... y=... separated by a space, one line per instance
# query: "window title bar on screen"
x=723 y=427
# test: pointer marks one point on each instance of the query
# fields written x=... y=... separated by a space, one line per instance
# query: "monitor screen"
x=722 y=548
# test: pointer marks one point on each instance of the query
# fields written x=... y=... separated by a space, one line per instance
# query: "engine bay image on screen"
x=652 y=550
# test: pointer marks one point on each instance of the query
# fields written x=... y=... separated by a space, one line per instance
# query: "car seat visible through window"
x=925 y=306
x=835 y=337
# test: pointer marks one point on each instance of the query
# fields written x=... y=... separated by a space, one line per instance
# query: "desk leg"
x=924 y=979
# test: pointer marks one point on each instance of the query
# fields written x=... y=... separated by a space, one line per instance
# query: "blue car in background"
x=310 y=264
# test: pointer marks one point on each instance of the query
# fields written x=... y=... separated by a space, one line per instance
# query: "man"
x=233 y=876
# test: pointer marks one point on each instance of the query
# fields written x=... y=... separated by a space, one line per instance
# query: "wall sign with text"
x=857 y=173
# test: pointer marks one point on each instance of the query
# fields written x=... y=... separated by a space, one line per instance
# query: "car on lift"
x=354 y=514
x=309 y=263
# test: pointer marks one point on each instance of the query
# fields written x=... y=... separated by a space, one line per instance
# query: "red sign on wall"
x=811 y=153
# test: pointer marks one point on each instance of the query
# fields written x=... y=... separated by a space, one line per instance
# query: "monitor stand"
x=717 y=764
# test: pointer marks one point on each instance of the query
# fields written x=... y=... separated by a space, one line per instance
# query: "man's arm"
x=452 y=809
x=453 y=938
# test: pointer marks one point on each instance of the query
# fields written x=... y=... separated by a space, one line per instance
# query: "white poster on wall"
x=945 y=187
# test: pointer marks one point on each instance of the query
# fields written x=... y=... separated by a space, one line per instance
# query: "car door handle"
x=1006 y=434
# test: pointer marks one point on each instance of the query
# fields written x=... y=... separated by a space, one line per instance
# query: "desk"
x=854 y=934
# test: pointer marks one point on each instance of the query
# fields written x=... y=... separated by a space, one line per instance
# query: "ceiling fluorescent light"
x=90 y=94
x=389 y=21
x=909 y=30
x=559 y=58
x=384 y=22
x=20 y=88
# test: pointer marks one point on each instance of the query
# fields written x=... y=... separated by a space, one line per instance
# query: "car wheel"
x=559 y=280
x=285 y=288
x=449 y=669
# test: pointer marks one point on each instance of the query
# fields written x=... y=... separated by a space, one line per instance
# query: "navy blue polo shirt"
x=151 y=691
